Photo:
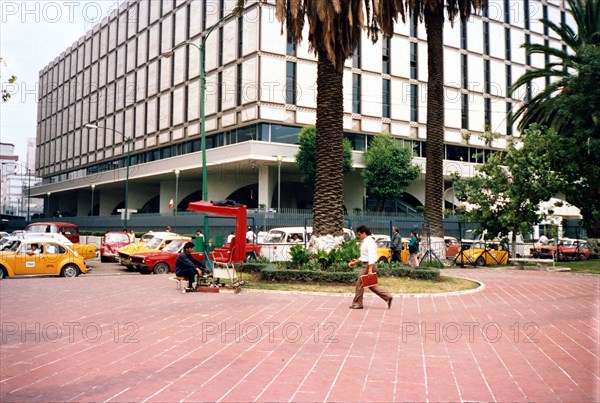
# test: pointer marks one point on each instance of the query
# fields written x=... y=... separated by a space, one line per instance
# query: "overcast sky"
x=32 y=34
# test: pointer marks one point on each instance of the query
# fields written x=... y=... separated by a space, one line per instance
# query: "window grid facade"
x=143 y=96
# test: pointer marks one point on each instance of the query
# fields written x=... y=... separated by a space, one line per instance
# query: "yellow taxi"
x=158 y=241
x=384 y=253
x=483 y=254
x=40 y=255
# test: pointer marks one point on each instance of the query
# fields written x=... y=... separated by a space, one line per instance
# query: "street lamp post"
x=201 y=48
x=177 y=171
x=28 y=194
x=48 y=202
x=279 y=159
x=92 y=210
x=128 y=140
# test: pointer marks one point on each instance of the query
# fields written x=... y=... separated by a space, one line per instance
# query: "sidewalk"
x=528 y=336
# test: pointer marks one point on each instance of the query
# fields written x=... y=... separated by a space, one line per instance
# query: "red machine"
x=241 y=216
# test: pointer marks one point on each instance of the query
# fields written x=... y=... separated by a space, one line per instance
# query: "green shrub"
x=299 y=256
x=291 y=276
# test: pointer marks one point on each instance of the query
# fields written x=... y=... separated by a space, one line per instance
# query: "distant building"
x=16 y=179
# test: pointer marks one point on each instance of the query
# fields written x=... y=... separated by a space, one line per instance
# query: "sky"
x=33 y=34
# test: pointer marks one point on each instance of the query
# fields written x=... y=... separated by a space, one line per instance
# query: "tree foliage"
x=388 y=168
x=11 y=80
x=306 y=158
x=506 y=191
x=571 y=105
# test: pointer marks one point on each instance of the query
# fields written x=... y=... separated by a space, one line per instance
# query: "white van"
x=277 y=244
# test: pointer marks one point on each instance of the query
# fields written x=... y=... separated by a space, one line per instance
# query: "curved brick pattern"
x=527 y=336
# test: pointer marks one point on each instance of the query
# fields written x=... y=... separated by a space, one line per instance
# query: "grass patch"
x=582 y=266
x=395 y=285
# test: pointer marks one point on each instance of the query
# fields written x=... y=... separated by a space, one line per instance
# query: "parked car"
x=567 y=249
x=85 y=251
x=71 y=231
x=111 y=242
x=483 y=254
x=452 y=246
x=278 y=242
x=40 y=255
x=161 y=261
x=158 y=242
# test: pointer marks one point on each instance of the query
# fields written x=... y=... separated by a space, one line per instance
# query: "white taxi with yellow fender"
x=40 y=255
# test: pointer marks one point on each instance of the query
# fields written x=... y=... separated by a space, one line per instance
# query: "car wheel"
x=69 y=270
x=480 y=261
x=161 y=268
x=382 y=260
x=2 y=273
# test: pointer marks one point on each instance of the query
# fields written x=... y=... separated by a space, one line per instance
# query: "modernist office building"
x=260 y=91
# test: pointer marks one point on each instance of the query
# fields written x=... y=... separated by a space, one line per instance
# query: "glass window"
x=356 y=93
x=356 y=57
x=507 y=42
x=284 y=134
x=385 y=54
x=385 y=101
x=264 y=132
x=465 y=111
x=357 y=141
x=457 y=153
x=465 y=71
x=290 y=84
x=240 y=85
x=414 y=60
x=414 y=103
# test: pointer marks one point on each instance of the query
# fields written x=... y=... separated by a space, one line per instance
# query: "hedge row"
x=285 y=276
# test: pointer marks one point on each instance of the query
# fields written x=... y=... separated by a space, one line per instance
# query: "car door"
x=29 y=262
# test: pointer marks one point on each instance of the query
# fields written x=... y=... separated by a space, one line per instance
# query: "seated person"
x=33 y=249
x=187 y=266
x=295 y=239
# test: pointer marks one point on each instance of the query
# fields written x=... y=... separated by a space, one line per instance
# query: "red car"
x=567 y=249
x=161 y=261
x=111 y=242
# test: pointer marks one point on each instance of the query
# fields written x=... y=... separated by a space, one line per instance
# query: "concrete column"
x=265 y=186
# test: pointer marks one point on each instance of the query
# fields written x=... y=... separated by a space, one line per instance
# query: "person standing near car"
x=187 y=266
x=413 y=250
x=396 y=245
x=368 y=259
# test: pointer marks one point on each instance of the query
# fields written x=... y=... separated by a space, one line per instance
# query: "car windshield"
x=116 y=237
x=146 y=237
x=174 y=246
x=275 y=237
x=11 y=244
x=154 y=243
x=383 y=243
x=41 y=228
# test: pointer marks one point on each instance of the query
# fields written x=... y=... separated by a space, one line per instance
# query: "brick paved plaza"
x=524 y=336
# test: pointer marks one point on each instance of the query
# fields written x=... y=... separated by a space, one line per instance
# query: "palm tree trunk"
x=328 y=214
x=434 y=180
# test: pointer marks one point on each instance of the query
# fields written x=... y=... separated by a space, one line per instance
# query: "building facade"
x=260 y=91
x=16 y=180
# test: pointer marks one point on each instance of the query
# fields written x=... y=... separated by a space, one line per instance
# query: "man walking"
x=368 y=259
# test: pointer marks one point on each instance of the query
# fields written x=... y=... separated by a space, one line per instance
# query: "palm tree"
x=544 y=107
x=432 y=11
x=335 y=28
